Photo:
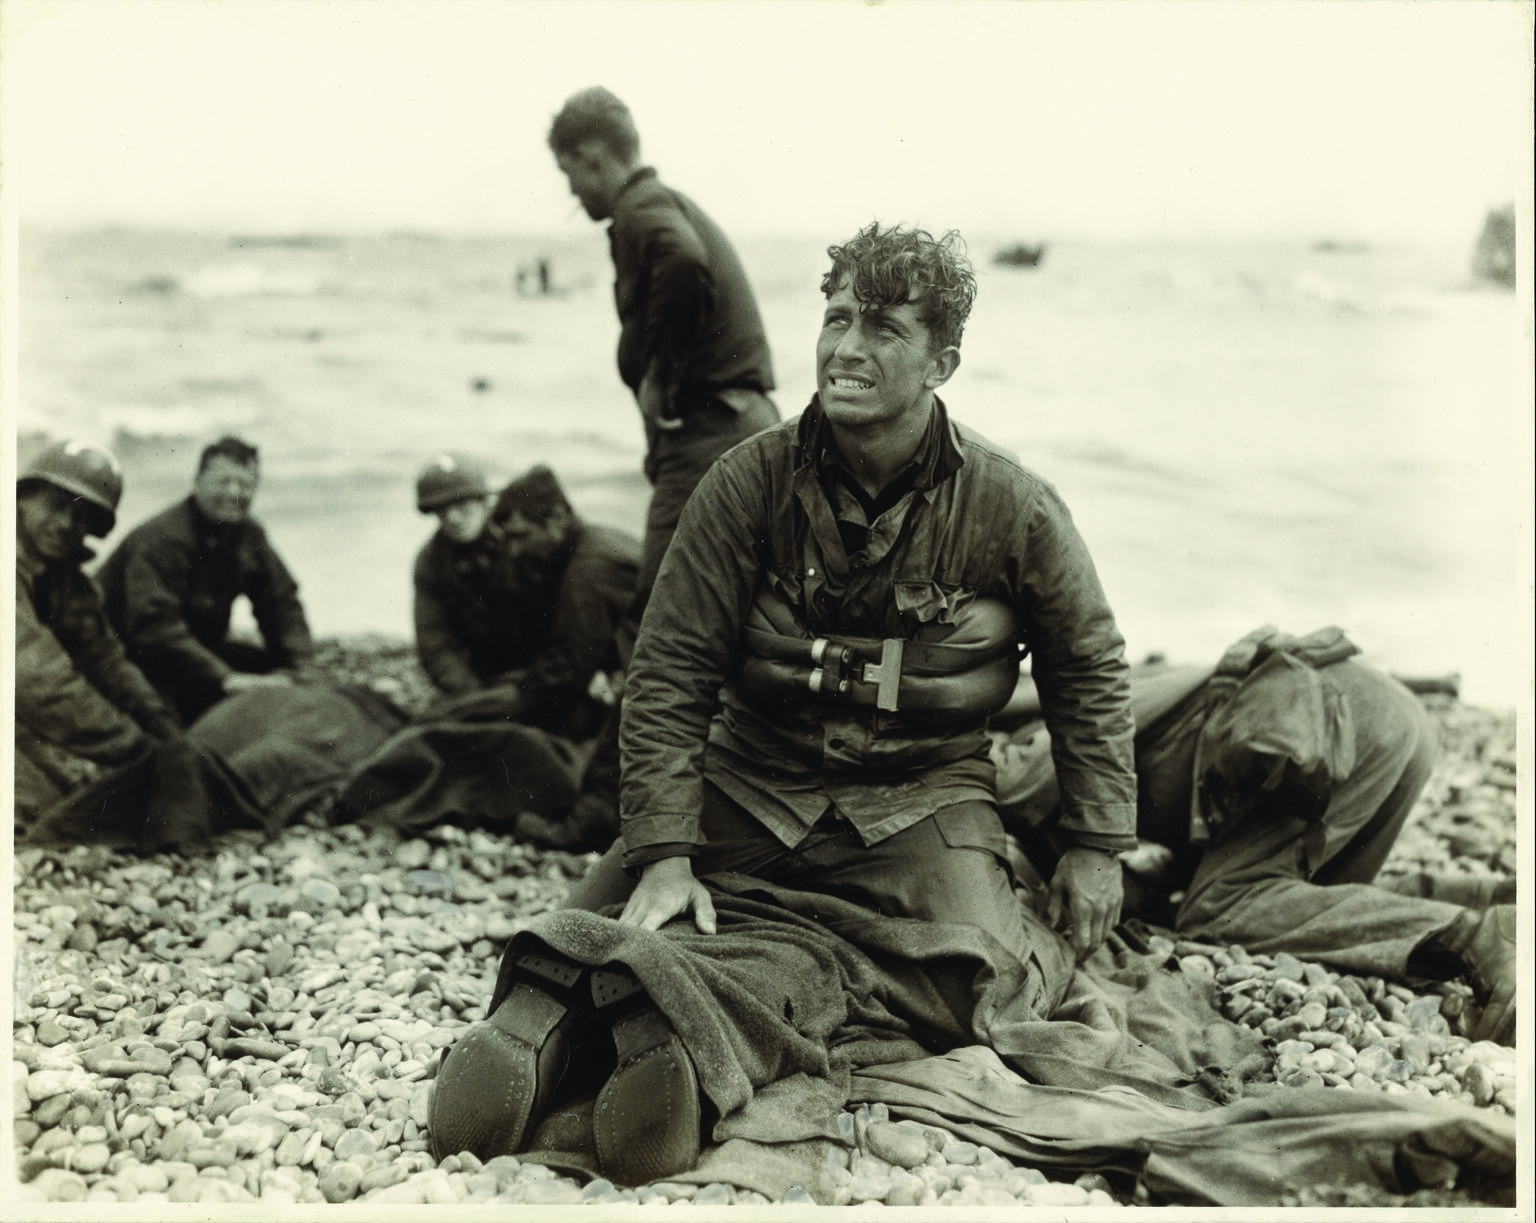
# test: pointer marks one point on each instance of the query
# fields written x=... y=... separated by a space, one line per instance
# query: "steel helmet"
x=448 y=478
x=85 y=469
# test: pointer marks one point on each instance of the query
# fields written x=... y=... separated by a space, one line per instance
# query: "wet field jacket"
x=974 y=525
x=479 y=615
x=170 y=587
x=75 y=688
x=684 y=302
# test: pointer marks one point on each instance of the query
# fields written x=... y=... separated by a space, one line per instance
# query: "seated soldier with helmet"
x=514 y=592
x=80 y=704
x=466 y=587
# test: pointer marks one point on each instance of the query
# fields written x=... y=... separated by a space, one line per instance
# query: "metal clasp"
x=886 y=673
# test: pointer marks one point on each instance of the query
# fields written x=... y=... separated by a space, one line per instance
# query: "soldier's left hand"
x=1084 y=900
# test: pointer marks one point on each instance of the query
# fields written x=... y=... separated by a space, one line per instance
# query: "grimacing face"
x=875 y=368
x=224 y=489
x=52 y=520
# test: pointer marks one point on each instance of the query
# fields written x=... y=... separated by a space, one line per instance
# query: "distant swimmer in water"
x=171 y=585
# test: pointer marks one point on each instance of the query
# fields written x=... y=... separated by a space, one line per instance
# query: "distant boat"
x=1493 y=258
x=1020 y=255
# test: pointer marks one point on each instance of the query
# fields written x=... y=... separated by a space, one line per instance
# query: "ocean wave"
x=131 y=423
x=246 y=279
x=1352 y=298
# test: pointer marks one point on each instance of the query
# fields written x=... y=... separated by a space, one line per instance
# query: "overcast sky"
x=1185 y=120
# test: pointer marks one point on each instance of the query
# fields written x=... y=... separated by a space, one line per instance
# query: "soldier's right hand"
x=666 y=890
x=1492 y=965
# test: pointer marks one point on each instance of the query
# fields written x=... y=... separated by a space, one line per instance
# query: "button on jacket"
x=971 y=523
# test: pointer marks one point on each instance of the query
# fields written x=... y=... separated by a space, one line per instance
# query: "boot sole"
x=501 y=1074
x=648 y=1115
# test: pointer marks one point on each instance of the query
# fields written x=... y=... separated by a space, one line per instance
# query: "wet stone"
x=895 y=1144
x=265 y=894
x=430 y=883
x=356 y=1142
x=964 y=1153
x=220 y=945
x=340 y=1182
x=319 y=894
x=1423 y=1015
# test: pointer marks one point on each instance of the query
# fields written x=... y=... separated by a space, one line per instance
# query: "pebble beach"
x=262 y=1023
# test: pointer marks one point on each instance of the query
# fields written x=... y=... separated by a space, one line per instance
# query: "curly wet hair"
x=594 y=114
x=892 y=266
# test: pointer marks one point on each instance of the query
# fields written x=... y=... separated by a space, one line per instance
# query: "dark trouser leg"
x=1304 y=887
x=675 y=465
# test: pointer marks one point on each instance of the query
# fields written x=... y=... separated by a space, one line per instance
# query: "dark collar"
x=936 y=458
x=634 y=180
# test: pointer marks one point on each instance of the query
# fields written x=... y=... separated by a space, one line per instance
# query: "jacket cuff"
x=636 y=859
x=641 y=833
x=1105 y=843
x=1107 y=826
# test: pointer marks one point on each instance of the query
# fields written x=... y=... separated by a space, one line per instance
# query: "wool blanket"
x=256 y=759
x=465 y=760
x=803 y=1004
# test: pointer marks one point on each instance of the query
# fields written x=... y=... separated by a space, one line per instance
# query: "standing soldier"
x=691 y=341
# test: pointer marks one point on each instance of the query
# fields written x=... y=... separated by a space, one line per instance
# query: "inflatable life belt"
x=966 y=674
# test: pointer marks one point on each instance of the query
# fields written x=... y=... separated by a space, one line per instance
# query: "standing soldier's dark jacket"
x=683 y=299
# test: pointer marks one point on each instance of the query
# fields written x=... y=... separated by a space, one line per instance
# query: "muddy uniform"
x=473 y=611
x=685 y=307
x=79 y=701
x=483 y=619
x=887 y=807
x=1306 y=776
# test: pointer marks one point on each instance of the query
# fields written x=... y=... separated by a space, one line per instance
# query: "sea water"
x=1292 y=434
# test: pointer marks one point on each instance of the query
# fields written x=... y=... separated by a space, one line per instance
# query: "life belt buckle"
x=886 y=674
x=832 y=672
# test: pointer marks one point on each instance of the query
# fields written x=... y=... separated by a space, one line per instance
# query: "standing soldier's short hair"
x=595 y=114
x=890 y=267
